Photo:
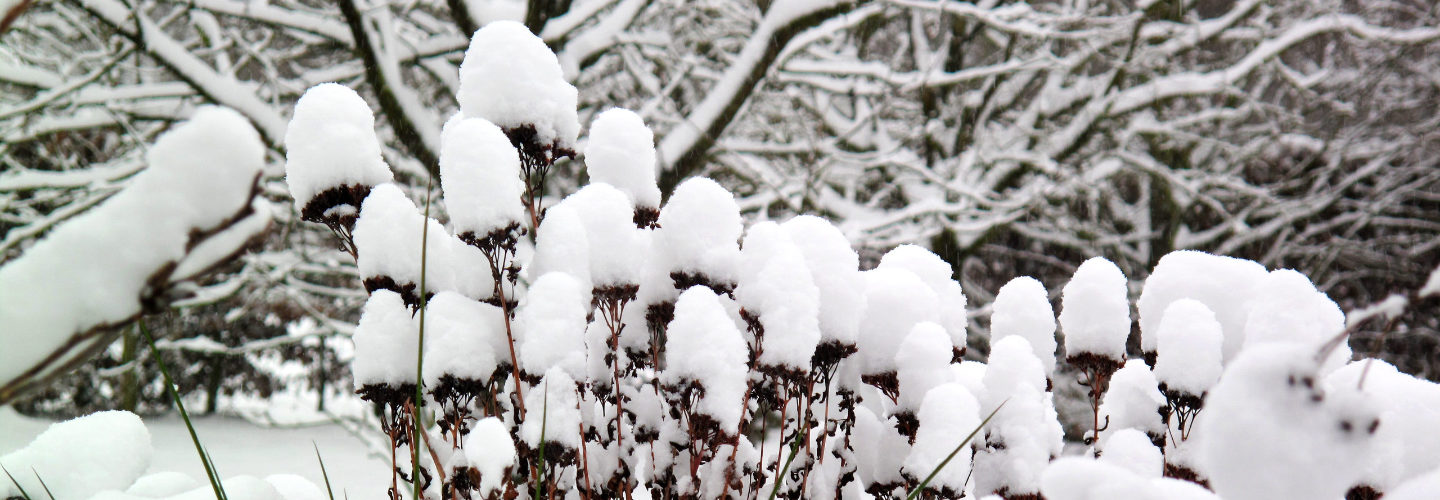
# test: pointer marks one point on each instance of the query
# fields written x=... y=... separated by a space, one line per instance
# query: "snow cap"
x=480 y=175
x=1224 y=284
x=1189 y=351
x=1022 y=308
x=331 y=143
x=385 y=342
x=703 y=345
x=935 y=272
x=835 y=269
x=1095 y=310
x=512 y=79
x=621 y=152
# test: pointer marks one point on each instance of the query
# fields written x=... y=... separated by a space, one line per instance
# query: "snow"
x=561 y=245
x=460 y=338
x=490 y=450
x=936 y=273
x=1409 y=408
x=1077 y=478
x=1419 y=488
x=1189 y=348
x=385 y=342
x=922 y=363
x=1133 y=450
x=470 y=270
x=94 y=268
x=880 y=450
x=1095 y=310
x=834 y=268
x=1272 y=432
x=1288 y=308
x=552 y=325
x=1224 y=284
x=162 y=484
x=331 y=143
x=1133 y=402
x=700 y=230
x=81 y=457
x=388 y=239
x=895 y=300
x=480 y=175
x=1432 y=284
x=948 y=414
x=776 y=286
x=553 y=408
x=621 y=152
x=618 y=249
x=702 y=345
x=1022 y=308
x=512 y=79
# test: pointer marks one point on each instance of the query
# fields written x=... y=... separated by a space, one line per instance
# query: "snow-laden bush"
x=622 y=347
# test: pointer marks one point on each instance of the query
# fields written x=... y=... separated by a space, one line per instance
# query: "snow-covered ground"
x=240 y=447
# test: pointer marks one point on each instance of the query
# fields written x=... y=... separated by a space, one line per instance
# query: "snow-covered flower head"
x=1223 y=284
x=778 y=295
x=385 y=344
x=699 y=235
x=703 y=347
x=1022 y=308
x=512 y=79
x=936 y=273
x=480 y=175
x=1189 y=350
x=621 y=152
x=388 y=239
x=332 y=157
x=1095 y=311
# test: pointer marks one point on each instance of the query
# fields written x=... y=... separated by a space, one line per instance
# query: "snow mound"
x=700 y=230
x=936 y=273
x=460 y=338
x=80 y=457
x=552 y=322
x=835 y=269
x=1224 y=284
x=1189 y=348
x=490 y=450
x=948 y=414
x=385 y=342
x=895 y=300
x=704 y=346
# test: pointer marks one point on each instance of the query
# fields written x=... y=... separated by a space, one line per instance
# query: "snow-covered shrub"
x=621 y=346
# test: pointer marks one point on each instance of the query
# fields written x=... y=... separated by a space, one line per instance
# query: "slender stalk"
x=180 y=405
x=416 y=423
x=323 y=473
x=23 y=493
x=920 y=487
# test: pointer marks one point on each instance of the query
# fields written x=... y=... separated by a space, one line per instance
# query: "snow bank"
x=331 y=143
x=480 y=175
x=1022 y=308
x=621 y=152
x=511 y=78
x=1095 y=310
x=97 y=267
x=78 y=458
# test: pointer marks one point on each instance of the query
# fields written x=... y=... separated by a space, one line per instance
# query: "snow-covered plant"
x=625 y=346
x=1095 y=316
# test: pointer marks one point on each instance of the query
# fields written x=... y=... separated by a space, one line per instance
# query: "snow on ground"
x=241 y=447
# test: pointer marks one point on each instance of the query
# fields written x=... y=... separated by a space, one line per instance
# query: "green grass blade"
x=420 y=351
x=794 y=450
x=23 y=493
x=916 y=492
x=179 y=405
x=540 y=461
x=323 y=472
x=42 y=483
